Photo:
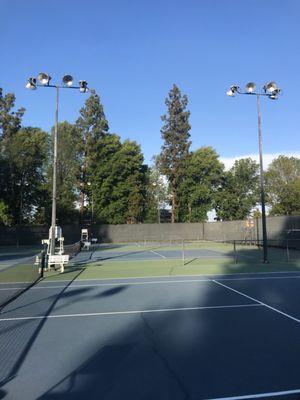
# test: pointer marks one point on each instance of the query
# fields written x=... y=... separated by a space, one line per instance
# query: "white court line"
x=155 y=252
x=37 y=287
x=168 y=276
x=129 y=312
x=258 y=301
x=259 y=278
x=259 y=395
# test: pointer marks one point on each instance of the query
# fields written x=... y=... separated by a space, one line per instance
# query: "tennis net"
x=241 y=251
x=73 y=249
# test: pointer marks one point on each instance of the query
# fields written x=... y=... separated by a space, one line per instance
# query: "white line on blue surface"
x=259 y=395
x=258 y=301
x=181 y=276
x=155 y=252
x=126 y=282
x=99 y=314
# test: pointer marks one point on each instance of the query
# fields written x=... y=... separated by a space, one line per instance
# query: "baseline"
x=99 y=314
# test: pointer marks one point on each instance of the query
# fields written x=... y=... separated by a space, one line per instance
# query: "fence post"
x=183 y=257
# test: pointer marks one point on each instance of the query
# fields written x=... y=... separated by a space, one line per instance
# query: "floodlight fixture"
x=31 y=84
x=270 y=87
x=83 y=86
x=68 y=80
x=232 y=90
x=274 y=95
x=230 y=93
x=44 y=78
x=250 y=87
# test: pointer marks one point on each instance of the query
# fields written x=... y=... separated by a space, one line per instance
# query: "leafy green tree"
x=93 y=128
x=10 y=121
x=68 y=172
x=98 y=175
x=239 y=192
x=119 y=186
x=5 y=218
x=26 y=155
x=283 y=186
x=156 y=197
x=203 y=177
x=175 y=149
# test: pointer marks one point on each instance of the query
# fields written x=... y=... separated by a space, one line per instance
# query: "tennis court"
x=210 y=336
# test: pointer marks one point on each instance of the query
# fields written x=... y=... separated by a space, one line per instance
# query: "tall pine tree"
x=175 y=149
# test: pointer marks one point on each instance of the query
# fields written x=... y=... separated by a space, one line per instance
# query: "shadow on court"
x=113 y=291
x=22 y=336
x=196 y=354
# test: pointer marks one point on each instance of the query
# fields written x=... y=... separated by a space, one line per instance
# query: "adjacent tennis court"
x=231 y=335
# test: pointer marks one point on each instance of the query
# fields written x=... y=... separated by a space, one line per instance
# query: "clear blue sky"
x=132 y=51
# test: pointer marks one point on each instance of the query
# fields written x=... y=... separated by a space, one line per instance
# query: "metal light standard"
x=272 y=91
x=67 y=83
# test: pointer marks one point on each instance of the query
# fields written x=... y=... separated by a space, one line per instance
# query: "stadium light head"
x=31 y=84
x=83 y=86
x=250 y=87
x=232 y=90
x=44 y=78
x=270 y=87
x=274 y=95
x=68 y=80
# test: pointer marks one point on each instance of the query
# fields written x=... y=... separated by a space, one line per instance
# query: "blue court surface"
x=208 y=337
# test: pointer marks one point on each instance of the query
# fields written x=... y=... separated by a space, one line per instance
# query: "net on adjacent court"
x=241 y=251
x=73 y=249
x=18 y=272
x=193 y=250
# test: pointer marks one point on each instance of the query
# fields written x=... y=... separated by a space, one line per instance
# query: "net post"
x=287 y=250
x=43 y=261
x=183 y=255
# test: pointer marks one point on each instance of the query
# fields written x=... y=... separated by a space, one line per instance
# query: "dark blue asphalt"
x=198 y=354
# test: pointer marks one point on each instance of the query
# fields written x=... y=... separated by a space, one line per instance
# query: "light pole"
x=67 y=83
x=272 y=91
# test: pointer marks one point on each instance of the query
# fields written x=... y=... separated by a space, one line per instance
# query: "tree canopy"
x=203 y=177
x=283 y=186
x=102 y=178
x=239 y=191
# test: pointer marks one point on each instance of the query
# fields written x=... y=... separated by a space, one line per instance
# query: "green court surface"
x=17 y=263
x=137 y=260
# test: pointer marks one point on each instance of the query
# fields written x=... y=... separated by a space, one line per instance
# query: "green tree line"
x=103 y=179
